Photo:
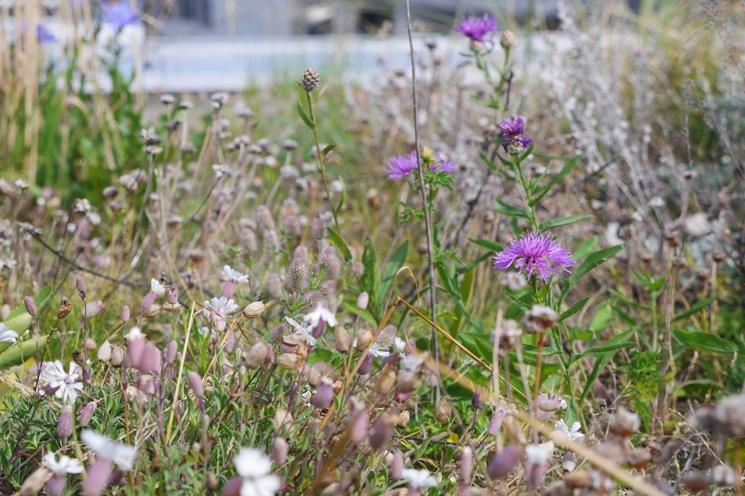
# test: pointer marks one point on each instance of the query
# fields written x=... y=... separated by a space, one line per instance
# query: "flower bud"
x=504 y=462
x=310 y=80
x=30 y=306
x=466 y=465
x=254 y=309
x=55 y=486
x=397 y=465
x=86 y=413
x=97 y=477
x=171 y=351
x=125 y=313
x=195 y=384
x=104 y=352
x=257 y=355
x=150 y=360
x=507 y=39
x=382 y=432
x=342 y=340
x=172 y=295
x=279 y=451
x=232 y=487
x=117 y=356
x=147 y=302
x=358 y=426
x=89 y=344
x=362 y=300
x=444 y=410
x=64 y=423
x=366 y=365
x=80 y=286
x=324 y=394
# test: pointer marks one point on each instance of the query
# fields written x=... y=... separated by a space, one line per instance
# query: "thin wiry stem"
x=320 y=157
x=425 y=205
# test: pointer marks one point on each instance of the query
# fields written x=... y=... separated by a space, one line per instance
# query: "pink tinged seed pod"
x=366 y=366
x=171 y=352
x=324 y=395
x=125 y=313
x=397 y=465
x=279 y=451
x=172 y=295
x=359 y=424
x=30 y=306
x=382 y=432
x=64 y=423
x=135 y=350
x=466 y=465
x=537 y=461
x=55 y=486
x=362 y=300
x=150 y=361
x=504 y=462
x=233 y=487
x=86 y=413
x=148 y=301
x=97 y=477
x=228 y=289
x=80 y=286
x=196 y=385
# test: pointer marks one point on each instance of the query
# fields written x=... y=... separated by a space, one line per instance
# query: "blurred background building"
x=286 y=17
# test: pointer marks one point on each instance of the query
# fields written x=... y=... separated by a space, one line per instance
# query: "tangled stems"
x=320 y=155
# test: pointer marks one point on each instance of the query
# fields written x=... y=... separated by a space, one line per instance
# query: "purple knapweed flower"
x=402 y=166
x=534 y=254
x=44 y=35
x=119 y=15
x=478 y=28
x=512 y=134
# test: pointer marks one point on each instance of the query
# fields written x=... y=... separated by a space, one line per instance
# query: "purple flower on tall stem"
x=478 y=28
x=512 y=134
x=44 y=35
x=402 y=166
x=534 y=254
x=119 y=15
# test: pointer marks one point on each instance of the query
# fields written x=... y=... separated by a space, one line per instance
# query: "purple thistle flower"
x=534 y=254
x=512 y=134
x=44 y=35
x=477 y=28
x=119 y=15
x=401 y=166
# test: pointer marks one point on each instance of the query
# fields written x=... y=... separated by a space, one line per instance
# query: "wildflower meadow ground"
x=507 y=274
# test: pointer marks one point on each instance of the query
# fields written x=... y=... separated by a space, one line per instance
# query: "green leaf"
x=568 y=166
x=304 y=116
x=703 y=341
x=19 y=323
x=505 y=208
x=337 y=240
x=573 y=309
x=328 y=149
x=487 y=243
x=593 y=260
x=695 y=308
x=613 y=344
x=370 y=279
x=398 y=259
x=562 y=221
x=602 y=318
x=19 y=352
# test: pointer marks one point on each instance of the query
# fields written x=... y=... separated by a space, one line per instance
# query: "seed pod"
x=64 y=423
x=279 y=451
x=117 y=355
x=195 y=384
x=289 y=361
x=97 y=477
x=86 y=413
x=397 y=465
x=324 y=395
x=257 y=355
x=359 y=424
x=382 y=432
x=342 y=340
x=55 y=486
x=624 y=423
x=254 y=309
x=171 y=351
x=362 y=300
x=466 y=465
x=504 y=462
x=104 y=352
x=30 y=306
x=64 y=308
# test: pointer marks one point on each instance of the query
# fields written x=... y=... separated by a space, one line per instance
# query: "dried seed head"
x=624 y=423
x=342 y=340
x=64 y=308
x=310 y=80
x=507 y=40
x=540 y=319
x=257 y=355
x=104 y=352
x=254 y=309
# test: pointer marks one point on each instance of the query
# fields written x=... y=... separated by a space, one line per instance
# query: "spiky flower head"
x=534 y=254
x=310 y=80
x=512 y=135
x=478 y=29
x=403 y=165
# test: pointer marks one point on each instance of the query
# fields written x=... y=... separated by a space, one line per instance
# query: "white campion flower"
x=157 y=288
x=302 y=330
x=67 y=384
x=539 y=454
x=254 y=466
x=418 y=478
x=320 y=314
x=231 y=275
x=7 y=335
x=63 y=465
x=574 y=433
x=122 y=455
x=218 y=309
x=134 y=333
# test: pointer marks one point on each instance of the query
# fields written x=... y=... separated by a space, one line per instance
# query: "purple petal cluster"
x=512 y=134
x=534 y=254
x=478 y=28
x=119 y=15
x=402 y=166
x=44 y=35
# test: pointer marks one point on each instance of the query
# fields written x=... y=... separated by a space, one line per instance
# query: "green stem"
x=319 y=157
